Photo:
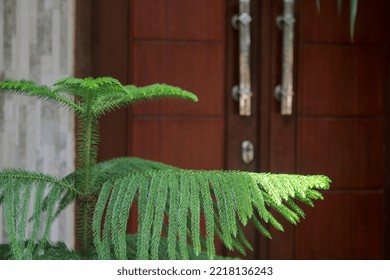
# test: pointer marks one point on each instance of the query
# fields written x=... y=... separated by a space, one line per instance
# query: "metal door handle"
x=243 y=92
x=284 y=92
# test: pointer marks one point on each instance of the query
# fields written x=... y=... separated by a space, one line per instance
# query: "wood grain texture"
x=349 y=151
x=193 y=144
x=341 y=129
x=109 y=41
x=387 y=167
x=346 y=225
x=83 y=39
x=110 y=24
x=342 y=80
x=179 y=19
x=196 y=67
x=327 y=26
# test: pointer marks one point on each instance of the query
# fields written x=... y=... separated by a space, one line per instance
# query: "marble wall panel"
x=36 y=43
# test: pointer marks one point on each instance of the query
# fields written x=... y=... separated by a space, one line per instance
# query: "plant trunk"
x=85 y=204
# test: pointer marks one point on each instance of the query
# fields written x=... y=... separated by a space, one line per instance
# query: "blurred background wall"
x=36 y=43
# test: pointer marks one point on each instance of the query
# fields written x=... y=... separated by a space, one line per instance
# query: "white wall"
x=36 y=43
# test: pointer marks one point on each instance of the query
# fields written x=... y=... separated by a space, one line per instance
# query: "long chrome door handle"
x=243 y=92
x=284 y=92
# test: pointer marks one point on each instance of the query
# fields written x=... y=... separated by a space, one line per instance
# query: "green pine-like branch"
x=226 y=200
x=19 y=189
x=95 y=96
x=116 y=168
x=107 y=94
x=30 y=88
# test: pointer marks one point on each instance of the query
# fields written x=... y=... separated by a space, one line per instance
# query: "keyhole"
x=248 y=151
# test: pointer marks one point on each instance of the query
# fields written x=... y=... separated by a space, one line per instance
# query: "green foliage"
x=131 y=241
x=171 y=202
x=105 y=94
x=16 y=188
x=59 y=251
x=238 y=196
x=94 y=96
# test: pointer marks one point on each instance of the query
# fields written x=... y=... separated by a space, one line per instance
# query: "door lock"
x=247 y=151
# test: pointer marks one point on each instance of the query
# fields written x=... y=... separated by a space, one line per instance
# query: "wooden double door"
x=340 y=121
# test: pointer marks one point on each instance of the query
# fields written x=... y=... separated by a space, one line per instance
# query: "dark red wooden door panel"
x=197 y=67
x=338 y=128
x=183 y=20
x=356 y=86
x=329 y=26
x=346 y=225
x=351 y=151
x=179 y=43
x=187 y=143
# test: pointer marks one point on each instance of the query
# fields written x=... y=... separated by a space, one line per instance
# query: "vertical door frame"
x=265 y=88
x=277 y=133
x=386 y=237
x=386 y=233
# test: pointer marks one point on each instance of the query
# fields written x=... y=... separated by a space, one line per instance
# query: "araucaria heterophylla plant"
x=180 y=212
